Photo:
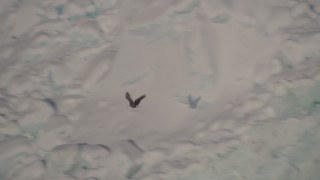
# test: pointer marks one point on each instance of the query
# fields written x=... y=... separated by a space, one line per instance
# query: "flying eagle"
x=135 y=103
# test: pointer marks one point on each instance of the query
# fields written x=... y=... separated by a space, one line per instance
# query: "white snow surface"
x=232 y=89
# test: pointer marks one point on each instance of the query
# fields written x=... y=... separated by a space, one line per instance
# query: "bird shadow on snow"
x=193 y=103
x=190 y=101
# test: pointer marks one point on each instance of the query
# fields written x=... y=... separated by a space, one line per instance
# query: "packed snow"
x=232 y=89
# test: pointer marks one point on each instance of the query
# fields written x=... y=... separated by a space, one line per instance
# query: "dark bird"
x=135 y=103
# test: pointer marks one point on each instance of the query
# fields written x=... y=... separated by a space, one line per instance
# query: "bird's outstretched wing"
x=128 y=97
x=137 y=101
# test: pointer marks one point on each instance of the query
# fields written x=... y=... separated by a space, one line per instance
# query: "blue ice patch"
x=59 y=8
x=92 y=14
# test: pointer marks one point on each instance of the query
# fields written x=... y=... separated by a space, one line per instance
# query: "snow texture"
x=232 y=89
